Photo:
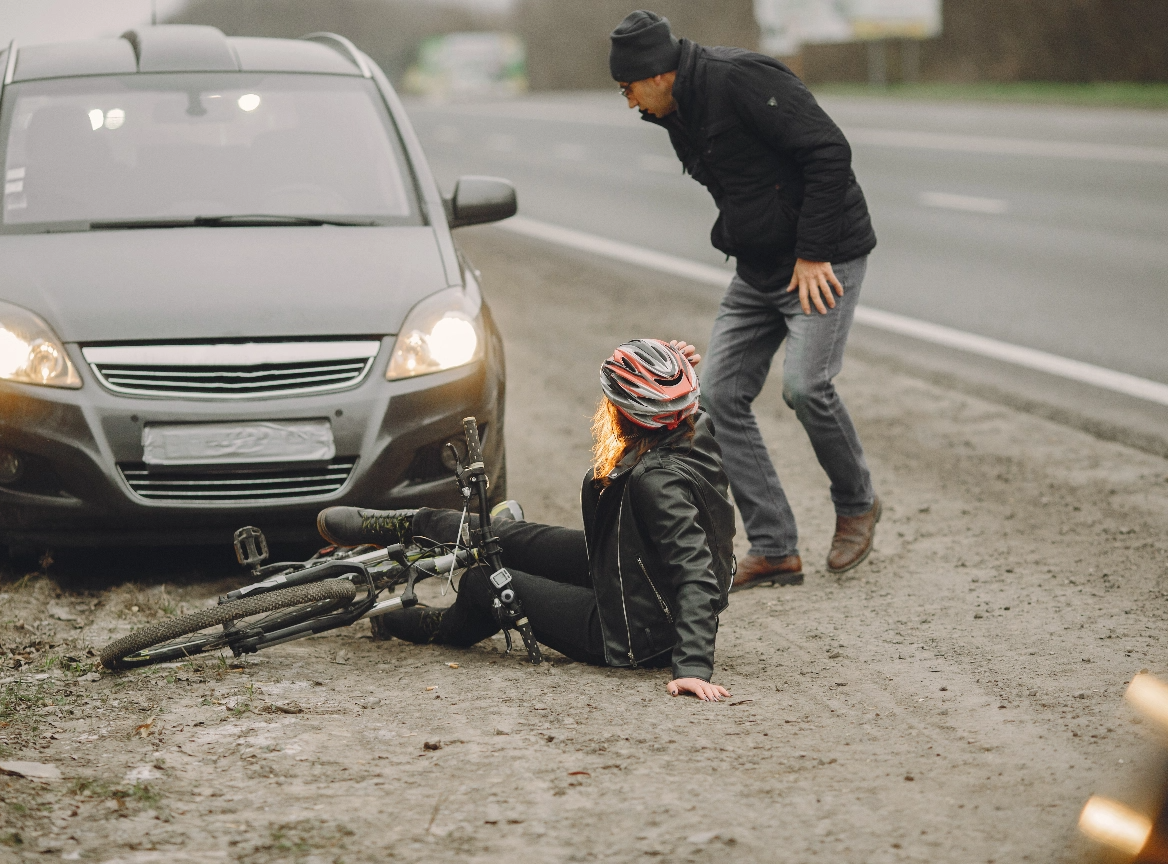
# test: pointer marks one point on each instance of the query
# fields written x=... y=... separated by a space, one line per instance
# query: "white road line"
x=1028 y=358
x=1007 y=146
x=968 y=203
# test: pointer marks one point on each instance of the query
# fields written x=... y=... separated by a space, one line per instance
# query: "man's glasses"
x=624 y=89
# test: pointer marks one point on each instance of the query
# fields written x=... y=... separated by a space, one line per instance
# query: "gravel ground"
x=956 y=698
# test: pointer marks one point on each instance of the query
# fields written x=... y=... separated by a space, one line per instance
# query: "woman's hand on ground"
x=688 y=351
x=704 y=690
x=815 y=281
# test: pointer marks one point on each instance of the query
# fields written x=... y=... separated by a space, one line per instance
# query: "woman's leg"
x=555 y=553
x=563 y=617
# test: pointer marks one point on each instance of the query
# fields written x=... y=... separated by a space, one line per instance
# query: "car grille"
x=238 y=484
x=231 y=371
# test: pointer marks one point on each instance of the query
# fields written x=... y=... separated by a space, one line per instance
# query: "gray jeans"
x=750 y=327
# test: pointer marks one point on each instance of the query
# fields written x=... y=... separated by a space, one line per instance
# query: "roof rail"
x=343 y=46
x=9 y=67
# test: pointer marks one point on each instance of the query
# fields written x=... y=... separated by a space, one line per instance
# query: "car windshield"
x=169 y=148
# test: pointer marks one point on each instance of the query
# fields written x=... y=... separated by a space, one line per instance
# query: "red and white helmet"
x=651 y=383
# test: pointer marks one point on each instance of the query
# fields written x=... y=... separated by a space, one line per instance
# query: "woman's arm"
x=668 y=518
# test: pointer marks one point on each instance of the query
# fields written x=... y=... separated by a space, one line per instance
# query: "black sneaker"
x=418 y=624
x=352 y=526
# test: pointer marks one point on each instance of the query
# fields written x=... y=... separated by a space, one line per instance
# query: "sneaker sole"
x=323 y=533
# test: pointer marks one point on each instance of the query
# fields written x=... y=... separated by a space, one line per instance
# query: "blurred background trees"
x=567 y=40
x=389 y=31
x=1077 y=41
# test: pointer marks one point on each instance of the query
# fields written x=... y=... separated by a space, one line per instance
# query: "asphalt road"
x=1043 y=227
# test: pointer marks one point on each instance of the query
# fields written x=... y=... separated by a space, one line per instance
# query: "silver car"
x=228 y=292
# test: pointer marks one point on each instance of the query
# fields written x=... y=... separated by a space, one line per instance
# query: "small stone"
x=342 y=657
x=31 y=770
x=371 y=702
x=284 y=708
x=90 y=676
x=502 y=730
x=701 y=838
x=133 y=608
x=432 y=745
x=944 y=689
x=909 y=778
x=1080 y=695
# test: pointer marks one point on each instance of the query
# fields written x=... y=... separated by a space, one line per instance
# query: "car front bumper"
x=77 y=444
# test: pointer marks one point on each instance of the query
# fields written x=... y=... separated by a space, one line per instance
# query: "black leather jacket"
x=660 y=546
x=778 y=168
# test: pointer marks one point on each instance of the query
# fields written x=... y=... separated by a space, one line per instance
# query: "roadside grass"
x=1101 y=94
x=142 y=794
x=297 y=840
x=19 y=703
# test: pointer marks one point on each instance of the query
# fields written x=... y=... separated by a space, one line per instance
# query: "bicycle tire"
x=113 y=656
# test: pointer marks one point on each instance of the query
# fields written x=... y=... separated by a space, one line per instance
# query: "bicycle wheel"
x=177 y=638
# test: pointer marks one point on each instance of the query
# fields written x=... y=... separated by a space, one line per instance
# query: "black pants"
x=549 y=568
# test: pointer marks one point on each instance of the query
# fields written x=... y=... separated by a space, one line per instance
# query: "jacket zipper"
x=621 y=579
x=660 y=599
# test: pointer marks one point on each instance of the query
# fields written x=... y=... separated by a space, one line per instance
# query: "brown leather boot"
x=754 y=570
x=853 y=539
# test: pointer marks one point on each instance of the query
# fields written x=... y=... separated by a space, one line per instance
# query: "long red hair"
x=614 y=435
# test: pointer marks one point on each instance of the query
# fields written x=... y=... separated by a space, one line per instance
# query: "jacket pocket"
x=764 y=221
x=656 y=593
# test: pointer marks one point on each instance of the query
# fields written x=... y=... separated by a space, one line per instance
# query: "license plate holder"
x=247 y=442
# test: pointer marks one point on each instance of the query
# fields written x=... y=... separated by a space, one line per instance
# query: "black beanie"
x=642 y=47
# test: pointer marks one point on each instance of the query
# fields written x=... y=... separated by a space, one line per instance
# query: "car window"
x=160 y=146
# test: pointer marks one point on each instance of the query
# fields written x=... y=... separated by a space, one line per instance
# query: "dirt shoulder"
x=956 y=698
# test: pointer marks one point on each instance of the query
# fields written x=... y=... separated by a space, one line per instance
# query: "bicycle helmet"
x=651 y=383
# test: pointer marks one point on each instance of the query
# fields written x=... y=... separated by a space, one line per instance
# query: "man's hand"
x=704 y=690
x=688 y=351
x=813 y=279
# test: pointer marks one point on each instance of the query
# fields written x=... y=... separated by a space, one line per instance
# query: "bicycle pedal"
x=251 y=547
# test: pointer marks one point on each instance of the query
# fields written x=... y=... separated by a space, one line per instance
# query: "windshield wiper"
x=274 y=219
x=230 y=221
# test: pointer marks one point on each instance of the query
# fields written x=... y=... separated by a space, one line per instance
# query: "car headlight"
x=30 y=353
x=442 y=332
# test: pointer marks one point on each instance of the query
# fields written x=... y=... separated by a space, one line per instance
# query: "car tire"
x=24 y=559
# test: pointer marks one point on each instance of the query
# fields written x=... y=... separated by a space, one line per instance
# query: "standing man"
x=792 y=213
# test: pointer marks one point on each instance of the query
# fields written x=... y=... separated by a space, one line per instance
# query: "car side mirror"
x=477 y=200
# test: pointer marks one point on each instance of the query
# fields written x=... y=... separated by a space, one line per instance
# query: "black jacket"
x=779 y=169
x=660 y=552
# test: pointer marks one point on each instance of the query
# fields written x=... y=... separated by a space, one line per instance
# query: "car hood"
x=221 y=283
